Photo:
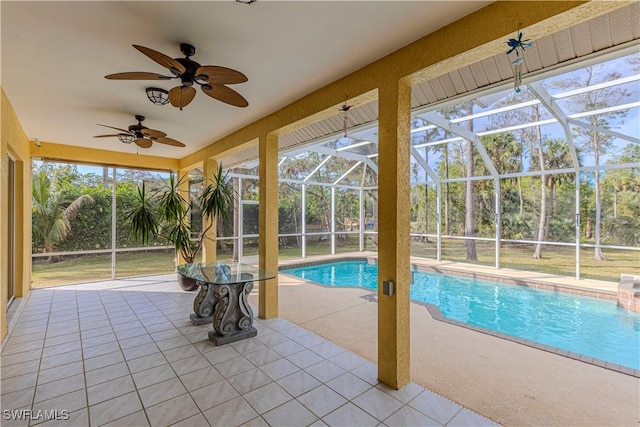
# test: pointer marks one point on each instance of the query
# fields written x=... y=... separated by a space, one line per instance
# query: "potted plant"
x=164 y=213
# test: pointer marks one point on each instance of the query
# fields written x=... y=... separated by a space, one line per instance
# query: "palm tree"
x=556 y=156
x=52 y=214
x=165 y=213
x=506 y=153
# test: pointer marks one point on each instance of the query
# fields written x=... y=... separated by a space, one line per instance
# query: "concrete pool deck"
x=510 y=383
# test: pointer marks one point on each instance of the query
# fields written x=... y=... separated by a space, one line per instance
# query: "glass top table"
x=222 y=299
x=218 y=273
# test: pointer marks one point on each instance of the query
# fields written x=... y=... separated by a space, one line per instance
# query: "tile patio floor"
x=124 y=353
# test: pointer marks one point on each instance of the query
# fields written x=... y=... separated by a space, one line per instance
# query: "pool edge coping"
x=436 y=314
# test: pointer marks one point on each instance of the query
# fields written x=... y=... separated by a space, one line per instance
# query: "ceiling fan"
x=211 y=78
x=141 y=135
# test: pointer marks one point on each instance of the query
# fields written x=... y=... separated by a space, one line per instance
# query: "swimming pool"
x=589 y=326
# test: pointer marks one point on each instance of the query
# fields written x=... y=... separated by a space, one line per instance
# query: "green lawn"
x=86 y=268
x=558 y=260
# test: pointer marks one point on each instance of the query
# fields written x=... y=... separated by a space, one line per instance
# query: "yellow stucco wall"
x=468 y=40
x=72 y=153
x=14 y=142
x=394 y=139
x=268 y=224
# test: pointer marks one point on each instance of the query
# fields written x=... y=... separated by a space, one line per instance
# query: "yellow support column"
x=268 y=224
x=209 y=167
x=394 y=103
x=4 y=227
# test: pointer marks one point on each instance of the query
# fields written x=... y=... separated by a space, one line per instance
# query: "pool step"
x=629 y=292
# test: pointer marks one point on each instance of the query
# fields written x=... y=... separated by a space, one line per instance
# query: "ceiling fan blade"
x=137 y=75
x=153 y=133
x=181 y=96
x=170 y=141
x=220 y=75
x=121 y=130
x=225 y=94
x=144 y=142
x=107 y=136
x=162 y=59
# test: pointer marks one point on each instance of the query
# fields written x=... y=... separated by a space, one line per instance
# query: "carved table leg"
x=203 y=305
x=232 y=316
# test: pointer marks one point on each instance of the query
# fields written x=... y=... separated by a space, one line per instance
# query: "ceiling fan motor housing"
x=189 y=75
x=137 y=129
x=187 y=49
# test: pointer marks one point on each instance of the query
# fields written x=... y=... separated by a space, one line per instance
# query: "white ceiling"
x=55 y=56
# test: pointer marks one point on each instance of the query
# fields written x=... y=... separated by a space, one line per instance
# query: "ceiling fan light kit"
x=126 y=138
x=157 y=96
x=211 y=78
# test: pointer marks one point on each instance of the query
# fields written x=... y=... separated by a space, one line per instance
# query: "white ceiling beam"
x=442 y=141
x=364 y=175
x=605 y=110
x=344 y=154
x=316 y=169
x=344 y=175
x=602 y=85
x=623 y=80
x=466 y=134
x=603 y=130
x=541 y=93
x=422 y=162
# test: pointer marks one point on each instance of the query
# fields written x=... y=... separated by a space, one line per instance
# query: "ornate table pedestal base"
x=203 y=305
x=232 y=314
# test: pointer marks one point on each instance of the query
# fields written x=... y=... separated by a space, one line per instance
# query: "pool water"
x=589 y=326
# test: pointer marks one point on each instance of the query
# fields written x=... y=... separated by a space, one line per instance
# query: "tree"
x=525 y=137
x=556 y=156
x=290 y=212
x=531 y=139
x=417 y=122
x=537 y=252
x=52 y=214
x=621 y=224
x=470 y=214
x=588 y=139
x=506 y=153
x=449 y=113
x=165 y=213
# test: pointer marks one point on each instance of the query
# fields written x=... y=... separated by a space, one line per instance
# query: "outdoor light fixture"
x=157 y=95
x=345 y=139
x=126 y=138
